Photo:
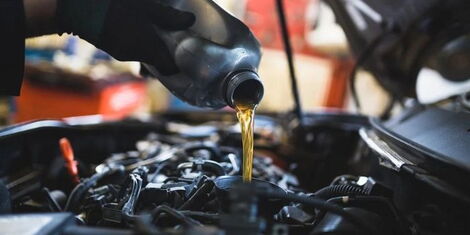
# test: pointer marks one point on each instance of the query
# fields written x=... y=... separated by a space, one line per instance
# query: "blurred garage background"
x=65 y=76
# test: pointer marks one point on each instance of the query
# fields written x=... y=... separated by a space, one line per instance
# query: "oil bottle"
x=217 y=58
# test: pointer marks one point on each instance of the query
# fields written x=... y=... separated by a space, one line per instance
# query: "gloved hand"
x=125 y=28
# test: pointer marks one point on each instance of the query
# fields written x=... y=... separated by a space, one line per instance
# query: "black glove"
x=125 y=28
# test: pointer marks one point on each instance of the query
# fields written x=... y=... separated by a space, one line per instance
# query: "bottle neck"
x=244 y=87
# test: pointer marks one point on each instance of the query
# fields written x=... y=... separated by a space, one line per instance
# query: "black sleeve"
x=12 y=37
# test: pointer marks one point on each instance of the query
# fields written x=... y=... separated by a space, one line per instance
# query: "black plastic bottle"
x=218 y=58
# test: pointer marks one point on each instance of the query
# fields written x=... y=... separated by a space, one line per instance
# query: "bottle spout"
x=244 y=87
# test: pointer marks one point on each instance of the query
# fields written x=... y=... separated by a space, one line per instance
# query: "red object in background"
x=336 y=91
x=53 y=96
x=69 y=158
x=261 y=18
x=113 y=102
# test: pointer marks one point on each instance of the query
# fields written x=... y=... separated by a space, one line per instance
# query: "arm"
x=123 y=28
x=40 y=17
x=12 y=31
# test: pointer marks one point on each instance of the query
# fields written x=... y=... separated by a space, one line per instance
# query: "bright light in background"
x=432 y=87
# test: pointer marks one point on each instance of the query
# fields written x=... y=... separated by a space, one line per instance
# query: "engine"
x=330 y=176
x=331 y=173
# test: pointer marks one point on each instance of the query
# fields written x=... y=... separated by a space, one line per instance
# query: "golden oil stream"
x=245 y=115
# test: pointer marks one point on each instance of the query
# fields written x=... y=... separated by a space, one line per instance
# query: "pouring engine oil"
x=217 y=60
x=245 y=115
x=214 y=56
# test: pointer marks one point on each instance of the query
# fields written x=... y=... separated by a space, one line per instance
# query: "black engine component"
x=174 y=182
x=184 y=177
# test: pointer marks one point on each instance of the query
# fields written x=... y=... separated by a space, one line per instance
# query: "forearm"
x=40 y=17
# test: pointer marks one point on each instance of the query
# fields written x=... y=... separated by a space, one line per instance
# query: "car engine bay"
x=180 y=174
x=329 y=172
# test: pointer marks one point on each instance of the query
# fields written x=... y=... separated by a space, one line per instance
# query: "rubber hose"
x=321 y=205
x=340 y=190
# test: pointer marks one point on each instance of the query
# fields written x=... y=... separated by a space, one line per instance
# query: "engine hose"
x=321 y=205
x=175 y=214
x=340 y=190
x=401 y=228
x=82 y=188
x=128 y=208
x=79 y=192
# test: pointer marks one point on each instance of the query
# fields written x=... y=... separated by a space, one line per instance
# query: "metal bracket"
x=387 y=156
